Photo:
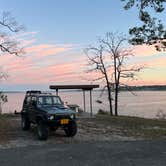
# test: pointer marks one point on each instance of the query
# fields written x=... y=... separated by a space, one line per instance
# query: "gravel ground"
x=119 y=153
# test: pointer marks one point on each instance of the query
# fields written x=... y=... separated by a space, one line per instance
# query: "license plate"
x=64 y=121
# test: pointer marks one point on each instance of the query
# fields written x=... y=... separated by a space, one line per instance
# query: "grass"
x=6 y=126
x=136 y=127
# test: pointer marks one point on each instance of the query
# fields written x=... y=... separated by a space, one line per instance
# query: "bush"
x=102 y=112
x=161 y=115
x=80 y=110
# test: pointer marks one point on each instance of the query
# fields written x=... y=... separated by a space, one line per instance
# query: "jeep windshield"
x=49 y=100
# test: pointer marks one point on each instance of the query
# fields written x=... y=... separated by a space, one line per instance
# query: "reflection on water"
x=144 y=104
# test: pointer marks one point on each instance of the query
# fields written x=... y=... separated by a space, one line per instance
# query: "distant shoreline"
x=144 y=88
x=127 y=88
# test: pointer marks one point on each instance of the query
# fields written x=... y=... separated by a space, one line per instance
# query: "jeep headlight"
x=51 y=117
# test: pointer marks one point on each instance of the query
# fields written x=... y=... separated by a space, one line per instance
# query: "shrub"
x=102 y=112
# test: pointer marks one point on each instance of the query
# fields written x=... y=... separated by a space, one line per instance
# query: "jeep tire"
x=42 y=131
x=25 y=123
x=71 y=129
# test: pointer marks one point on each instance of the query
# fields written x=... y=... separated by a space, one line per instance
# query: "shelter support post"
x=57 y=92
x=91 y=111
x=84 y=101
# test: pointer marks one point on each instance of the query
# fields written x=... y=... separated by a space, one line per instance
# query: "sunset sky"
x=57 y=32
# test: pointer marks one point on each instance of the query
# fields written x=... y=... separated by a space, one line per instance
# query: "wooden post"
x=91 y=112
x=84 y=101
x=57 y=92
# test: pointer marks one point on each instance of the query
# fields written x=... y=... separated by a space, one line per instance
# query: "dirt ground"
x=99 y=141
x=102 y=128
x=11 y=135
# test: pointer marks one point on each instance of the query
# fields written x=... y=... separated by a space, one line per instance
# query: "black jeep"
x=48 y=112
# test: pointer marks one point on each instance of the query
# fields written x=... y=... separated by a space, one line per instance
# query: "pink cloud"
x=155 y=63
x=31 y=69
x=27 y=73
x=25 y=43
x=46 y=49
x=145 y=50
x=32 y=57
x=36 y=68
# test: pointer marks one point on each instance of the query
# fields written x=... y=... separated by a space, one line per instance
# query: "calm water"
x=143 y=104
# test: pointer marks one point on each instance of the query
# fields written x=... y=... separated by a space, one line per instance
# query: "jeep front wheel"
x=25 y=123
x=71 y=129
x=42 y=131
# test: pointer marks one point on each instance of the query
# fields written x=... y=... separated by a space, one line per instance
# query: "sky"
x=56 y=34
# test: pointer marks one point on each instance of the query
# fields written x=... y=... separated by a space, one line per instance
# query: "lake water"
x=143 y=104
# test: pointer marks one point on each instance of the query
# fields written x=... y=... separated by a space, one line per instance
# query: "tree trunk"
x=116 y=99
x=110 y=100
x=109 y=92
x=116 y=87
x=0 y=108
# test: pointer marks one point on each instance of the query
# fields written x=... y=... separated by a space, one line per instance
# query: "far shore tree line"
x=108 y=60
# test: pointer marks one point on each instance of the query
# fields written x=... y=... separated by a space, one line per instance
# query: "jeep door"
x=32 y=109
x=26 y=104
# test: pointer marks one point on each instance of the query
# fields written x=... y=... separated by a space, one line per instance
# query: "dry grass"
x=7 y=126
x=134 y=126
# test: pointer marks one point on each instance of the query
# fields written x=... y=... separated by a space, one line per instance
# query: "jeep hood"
x=57 y=109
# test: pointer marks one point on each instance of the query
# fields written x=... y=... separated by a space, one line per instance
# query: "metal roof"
x=83 y=87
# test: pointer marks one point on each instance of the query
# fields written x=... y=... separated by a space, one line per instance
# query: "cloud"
x=25 y=70
x=36 y=56
x=25 y=43
x=46 y=49
x=61 y=63
x=154 y=62
x=145 y=50
x=43 y=63
x=26 y=34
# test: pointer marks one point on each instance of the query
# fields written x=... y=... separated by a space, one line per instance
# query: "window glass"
x=33 y=98
x=40 y=100
x=56 y=100
x=28 y=99
x=49 y=100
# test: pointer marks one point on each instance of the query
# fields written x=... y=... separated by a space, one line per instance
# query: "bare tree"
x=3 y=99
x=9 y=26
x=8 y=44
x=109 y=59
x=99 y=66
x=114 y=44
